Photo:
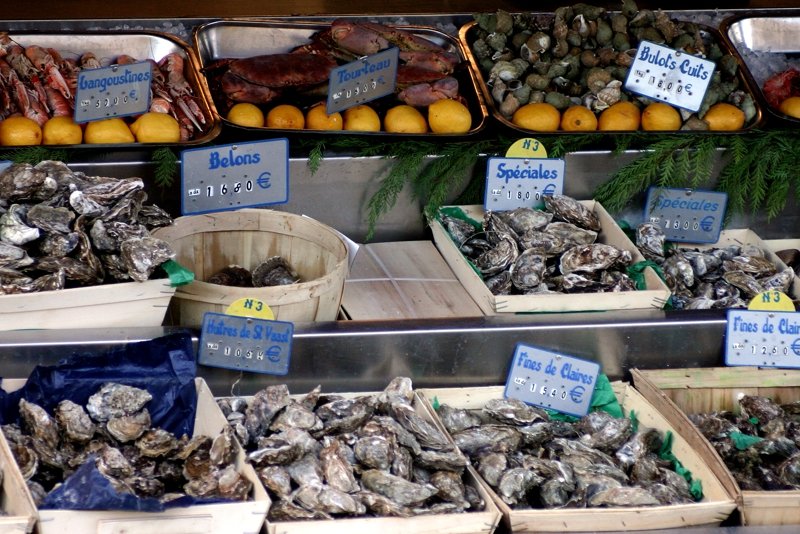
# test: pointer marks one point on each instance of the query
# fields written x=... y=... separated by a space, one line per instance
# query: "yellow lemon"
x=449 y=116
x=404 y=119
x=791 y=106
x=578 y=119
x=286 y=116
x=62 y=131
x=113 y=130
x=154 y=127
x=622 y=116
x=246 y=114
x=361 y=118
x=659 y=116
x=724 y=117
x=538 y=116
x=20 y=131
x=317 y=118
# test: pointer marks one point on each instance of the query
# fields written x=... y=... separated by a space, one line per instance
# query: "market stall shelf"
x=715 y=506
x=681 y=393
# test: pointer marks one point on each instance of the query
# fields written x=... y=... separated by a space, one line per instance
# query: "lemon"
x=724 y=117
x=578 y=119
x=20 y=131
x=113 y=130
x=361 y=118
x=659 y=116
x=449 y=116
x=622 y=116
x=246 y=114
x=317 y=118
x=62 y=131
x=538 y=116
x=791 y=107
x=154 y=127
x=286 y=116
x=404 y=119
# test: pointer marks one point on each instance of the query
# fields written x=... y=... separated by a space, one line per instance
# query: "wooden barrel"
x=207 y=243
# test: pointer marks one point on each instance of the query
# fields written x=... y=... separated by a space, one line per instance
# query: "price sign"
x=115 y=91
x=670 y=76
x=245 y=343
x=229 y=177
x=521 y=182
x=762 y=338
x=363 y=80
x=686 y=215
x=551 y=380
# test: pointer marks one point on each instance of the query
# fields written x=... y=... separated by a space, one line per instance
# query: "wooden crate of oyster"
x=246 y=517
x=678 y=393
x=714 y=508
x=17 y=510
x=654 y=296
x=468 y=522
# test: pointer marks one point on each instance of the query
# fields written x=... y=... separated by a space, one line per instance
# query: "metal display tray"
x=141 y=45
x=246 y=38
x=468 y=34
x=768 y=45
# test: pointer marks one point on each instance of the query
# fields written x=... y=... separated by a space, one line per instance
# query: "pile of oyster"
x=60 y=228
x=274 y=271
x=770 y=460
x=114 y=431
x=533 y=461
x=713 y=278
x=581 y=55
x=326 y=456
x=531 y=252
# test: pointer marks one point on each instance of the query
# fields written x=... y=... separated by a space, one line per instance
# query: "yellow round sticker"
x=771 y=300
x=247 y=307
x=527 y=147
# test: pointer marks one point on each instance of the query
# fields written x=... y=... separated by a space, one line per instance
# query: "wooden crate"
x=245 y=517
x=654 y=296
x=101 y=306
x=404 y=280
x=16 y=503
x=714 y=508
x=679 y=392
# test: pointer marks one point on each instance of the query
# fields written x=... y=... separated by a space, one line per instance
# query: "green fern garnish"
x=34 y=155
x=166 y=167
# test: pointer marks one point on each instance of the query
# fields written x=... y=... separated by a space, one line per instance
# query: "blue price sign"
x=363 y=80
x=521 y=182
x=762 y=338
x=245 y=343
x=686 y=215
x=115 y=91
x=230 y=177
x=551 y=380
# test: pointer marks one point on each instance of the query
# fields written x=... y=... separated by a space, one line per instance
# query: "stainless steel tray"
x=768 y=45
x=468 y=34
x=240 y=38
x=141 y=45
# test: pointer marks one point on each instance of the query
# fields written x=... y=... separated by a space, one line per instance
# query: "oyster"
x=115 y=400
x=125 y=428
x=397 y=489
x=568 y=209
x=74 y=421
x=274 y=271
x=594 y=257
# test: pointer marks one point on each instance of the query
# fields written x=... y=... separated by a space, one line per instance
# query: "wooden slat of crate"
x=716 y=506
x=16 y=503
x=680 y=392
x=404 y=280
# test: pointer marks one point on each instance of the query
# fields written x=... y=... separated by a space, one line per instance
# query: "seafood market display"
x=758 y=443
x=329 y=456
x=113 y=430
x=782 y=92
x=61 y=229
x=716 y=277
x=528 y=251
x=38 y=86
x=578 y=58
x=534 y=461
x=288 y=88
x=273 y=271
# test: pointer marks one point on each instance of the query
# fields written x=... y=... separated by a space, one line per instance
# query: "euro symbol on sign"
x=263 y=180
x=576 y=393
x=706 y=223
x=133 y=94
x=796 y=347
x=549 y=189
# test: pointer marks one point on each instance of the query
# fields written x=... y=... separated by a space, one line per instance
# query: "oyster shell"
x=274 y=271
x=568 y=209
x=115 y=400
x=73 y=420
